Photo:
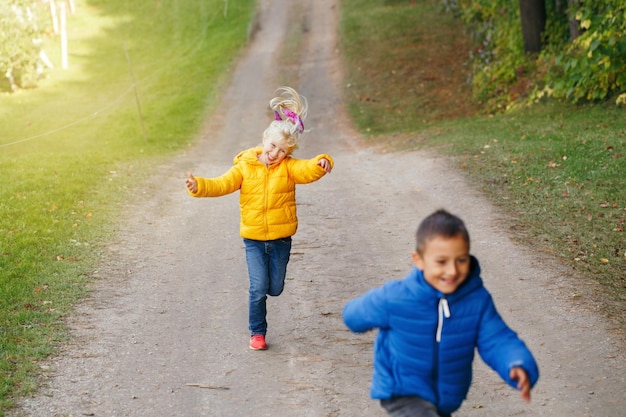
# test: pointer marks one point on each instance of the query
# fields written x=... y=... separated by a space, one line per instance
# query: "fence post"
x=53 y=15
x=63 y=20
x=132 y=77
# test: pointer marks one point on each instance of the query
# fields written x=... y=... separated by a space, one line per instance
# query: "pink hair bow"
x=291 y=116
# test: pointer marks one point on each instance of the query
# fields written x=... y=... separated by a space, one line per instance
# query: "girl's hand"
x=192 y=184
x=325 y=163
x=523 y=383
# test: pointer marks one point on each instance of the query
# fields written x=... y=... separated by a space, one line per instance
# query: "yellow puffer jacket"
x=267 y=197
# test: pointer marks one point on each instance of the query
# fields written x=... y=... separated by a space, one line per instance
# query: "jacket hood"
x=248 y=155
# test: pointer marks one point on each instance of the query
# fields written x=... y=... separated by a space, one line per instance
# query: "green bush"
x=591 y=66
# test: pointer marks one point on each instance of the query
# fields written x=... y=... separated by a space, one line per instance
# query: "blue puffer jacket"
x=426 y=340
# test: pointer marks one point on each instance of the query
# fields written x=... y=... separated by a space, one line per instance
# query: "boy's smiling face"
x=445 y=262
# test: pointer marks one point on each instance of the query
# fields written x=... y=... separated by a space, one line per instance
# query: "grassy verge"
x=73 y=149
x=557 y=169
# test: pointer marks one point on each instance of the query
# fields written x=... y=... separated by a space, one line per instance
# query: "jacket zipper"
x=443 y=310
x=265 y=204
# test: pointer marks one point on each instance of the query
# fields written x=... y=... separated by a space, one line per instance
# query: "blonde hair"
x=290 y=110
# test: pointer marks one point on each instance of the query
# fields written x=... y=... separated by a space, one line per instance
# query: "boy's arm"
x=305 y=171
x=367 y=311
x=215 y=187
x=505 y=352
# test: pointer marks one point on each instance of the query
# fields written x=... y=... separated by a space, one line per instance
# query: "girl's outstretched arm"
x=227 y=183
x=305 y=171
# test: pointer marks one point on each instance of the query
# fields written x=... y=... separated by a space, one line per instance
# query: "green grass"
x=406 y=65
x=559 y=170
x=73 y=150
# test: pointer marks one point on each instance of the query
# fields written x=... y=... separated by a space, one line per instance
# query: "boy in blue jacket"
x=429 y=324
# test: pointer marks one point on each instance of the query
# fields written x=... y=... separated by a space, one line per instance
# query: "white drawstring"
x=444 y=311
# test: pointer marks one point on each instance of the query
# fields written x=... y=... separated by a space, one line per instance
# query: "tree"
x=533 y=16
x=21 y=33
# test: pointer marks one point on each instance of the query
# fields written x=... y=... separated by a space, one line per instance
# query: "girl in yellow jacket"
x=266 y=177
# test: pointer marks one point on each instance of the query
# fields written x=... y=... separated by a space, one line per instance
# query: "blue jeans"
x=267 y=267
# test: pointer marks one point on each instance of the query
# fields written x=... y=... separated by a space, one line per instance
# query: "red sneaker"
x=257 y=342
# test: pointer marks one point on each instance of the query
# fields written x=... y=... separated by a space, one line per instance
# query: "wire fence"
x=74 y=123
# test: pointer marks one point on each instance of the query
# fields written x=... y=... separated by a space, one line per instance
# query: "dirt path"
x=169 y=307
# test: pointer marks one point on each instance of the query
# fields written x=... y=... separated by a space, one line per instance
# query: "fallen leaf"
x=41 y=288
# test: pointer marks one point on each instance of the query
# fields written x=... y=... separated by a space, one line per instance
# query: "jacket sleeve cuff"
x=325 y=156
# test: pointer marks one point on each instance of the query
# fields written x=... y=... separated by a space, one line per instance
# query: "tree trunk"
x=574 y=26
x=533 y=14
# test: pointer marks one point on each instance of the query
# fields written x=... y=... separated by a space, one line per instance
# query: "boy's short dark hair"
x=440 y=223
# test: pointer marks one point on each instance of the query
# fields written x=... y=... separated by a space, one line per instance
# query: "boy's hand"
x=192 y=184
x=325 y=163
x=523 y=383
